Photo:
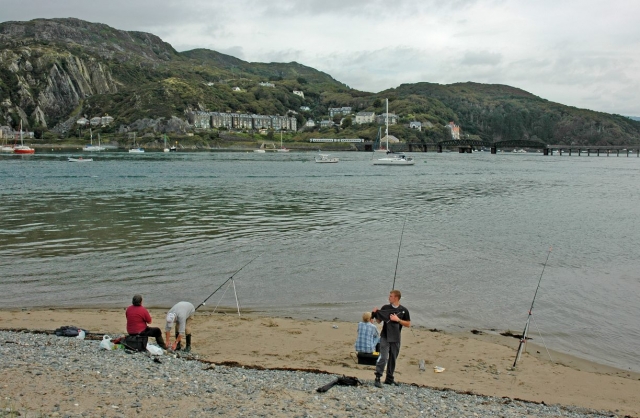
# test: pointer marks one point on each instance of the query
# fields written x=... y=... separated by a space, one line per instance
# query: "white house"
x=305 y=108
x=236 y=89
x=298 y=93
x=364 y=117
x=415 y=125
x=310 y=123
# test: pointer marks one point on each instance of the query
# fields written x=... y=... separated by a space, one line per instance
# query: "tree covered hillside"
x=53 y=71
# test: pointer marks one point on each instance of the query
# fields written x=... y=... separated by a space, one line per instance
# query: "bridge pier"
x=494 y=150
x=439 y=149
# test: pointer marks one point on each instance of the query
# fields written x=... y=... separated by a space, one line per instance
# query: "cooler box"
x=369 y=359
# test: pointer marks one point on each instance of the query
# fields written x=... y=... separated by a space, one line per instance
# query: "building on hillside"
x=344 y=111
x=221 y=120
x=305 y=108
x=82 y=121
x=454 y=129
x=96 y=121
x=293 y=124
x=298 y=93
x=241 y=121
x=326 y=123
x=106 y=120
x=364 y=117
x=199 y=119
x=236 y=89
x=261 y=122
x=415 y=125
x=310 y=123
x=382 y=119
x=266 y=84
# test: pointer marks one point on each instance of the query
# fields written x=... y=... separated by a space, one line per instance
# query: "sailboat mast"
x=386 y=131
x=21 y=143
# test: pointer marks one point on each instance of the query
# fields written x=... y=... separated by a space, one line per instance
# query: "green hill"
x=52 y=71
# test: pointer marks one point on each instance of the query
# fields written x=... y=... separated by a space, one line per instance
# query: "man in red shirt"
x=138 y=320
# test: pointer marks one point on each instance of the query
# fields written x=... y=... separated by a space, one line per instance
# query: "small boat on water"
x=391 y=158
x=135 y=149
x=324 y=158
x=22 y=149
x=395 y=159
x=92 y=148
x=79 y=160
x=260 y=150
x=282 y=149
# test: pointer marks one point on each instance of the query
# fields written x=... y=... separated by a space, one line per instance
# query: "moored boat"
x=79 y=160
x=324 y=158
x=22 y=149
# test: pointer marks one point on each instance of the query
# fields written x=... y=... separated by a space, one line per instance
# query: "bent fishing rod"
x=398 y=258
x=230 y=278
x=523 y=340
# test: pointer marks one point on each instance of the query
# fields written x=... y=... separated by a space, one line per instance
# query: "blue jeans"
x=388 y=355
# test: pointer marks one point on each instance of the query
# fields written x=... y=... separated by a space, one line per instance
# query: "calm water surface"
x=478 y=227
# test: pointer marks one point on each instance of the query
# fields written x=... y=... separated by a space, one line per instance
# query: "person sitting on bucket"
x=138 y=320
x=368 y=336
x=181 y=315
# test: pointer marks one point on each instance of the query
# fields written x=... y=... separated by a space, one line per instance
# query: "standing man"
x=180 y=315
x=394 y=316
x=138 y=320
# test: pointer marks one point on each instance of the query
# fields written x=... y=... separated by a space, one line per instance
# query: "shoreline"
x=479 y=364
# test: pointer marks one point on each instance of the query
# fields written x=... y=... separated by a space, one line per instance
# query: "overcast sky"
x=581 y=53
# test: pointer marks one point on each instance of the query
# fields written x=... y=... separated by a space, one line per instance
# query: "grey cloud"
x=481 y=58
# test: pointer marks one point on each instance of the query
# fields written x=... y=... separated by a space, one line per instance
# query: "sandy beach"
x=480 y=364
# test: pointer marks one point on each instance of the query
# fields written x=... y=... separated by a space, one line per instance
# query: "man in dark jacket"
x=394 y=316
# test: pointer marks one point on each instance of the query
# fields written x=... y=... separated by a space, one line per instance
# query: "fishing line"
x=398 y=258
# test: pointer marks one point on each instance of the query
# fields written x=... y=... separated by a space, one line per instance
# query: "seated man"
x=368 y=336
x=138 y=320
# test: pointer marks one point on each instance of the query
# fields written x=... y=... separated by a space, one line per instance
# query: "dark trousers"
x=155 y=333
x=388 y=355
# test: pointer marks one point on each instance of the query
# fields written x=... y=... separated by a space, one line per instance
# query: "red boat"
x=22 y=149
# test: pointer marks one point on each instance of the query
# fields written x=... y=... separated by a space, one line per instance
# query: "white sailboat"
x=391 y=158
x=260 y=150
x=135 y=150
x=5 y=147
x=92 y=147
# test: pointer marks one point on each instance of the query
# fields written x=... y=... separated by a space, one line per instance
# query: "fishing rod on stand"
x=523 y=340
x=231 y=282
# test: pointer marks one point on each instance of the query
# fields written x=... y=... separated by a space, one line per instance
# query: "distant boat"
x=324 y=158
x=395 y=159
x=165 y=144
x=391 y=158
x=282 y=149
x=79 y=160
x=260 y=150
x=5 y=148
x=134 y=149
x=22 y=149
x=91 y=147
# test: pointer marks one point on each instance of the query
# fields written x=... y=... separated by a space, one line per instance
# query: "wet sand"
x=473 y=363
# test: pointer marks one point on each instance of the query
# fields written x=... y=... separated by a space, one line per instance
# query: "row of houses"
x=7 y=132
x=208 y=120
x=95 y=121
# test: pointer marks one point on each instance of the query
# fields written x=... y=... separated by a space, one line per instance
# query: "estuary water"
x=478 y=229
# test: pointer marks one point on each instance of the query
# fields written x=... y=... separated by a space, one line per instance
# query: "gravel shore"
x=45 y=375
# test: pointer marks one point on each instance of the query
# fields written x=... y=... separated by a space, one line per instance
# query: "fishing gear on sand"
x=523 y=340
x=230 y=279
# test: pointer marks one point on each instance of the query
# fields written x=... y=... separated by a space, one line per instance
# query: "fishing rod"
x=230 y=278
x=523 y=340
x=398 y=258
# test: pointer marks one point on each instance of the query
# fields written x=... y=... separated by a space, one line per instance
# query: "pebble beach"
x=50 y=376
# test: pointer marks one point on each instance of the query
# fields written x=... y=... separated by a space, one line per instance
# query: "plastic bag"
x=80 y=335
x=154 y=350
x=106 y=343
